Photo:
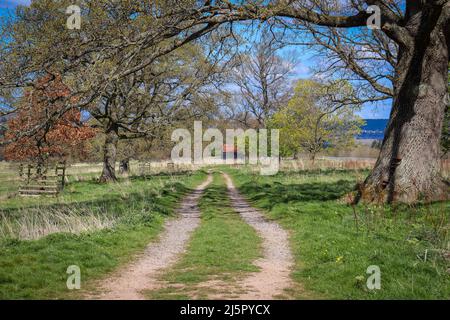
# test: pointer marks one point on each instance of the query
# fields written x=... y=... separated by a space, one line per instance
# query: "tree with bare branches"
x=405 y=58
x=261 y=78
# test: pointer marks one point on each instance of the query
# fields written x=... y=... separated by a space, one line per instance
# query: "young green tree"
x=315 y=119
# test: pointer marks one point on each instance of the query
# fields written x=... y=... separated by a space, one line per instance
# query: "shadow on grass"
x=161 y=175
x=322 y=172
x=131 y=208
x=135 y=178
x=269 y=195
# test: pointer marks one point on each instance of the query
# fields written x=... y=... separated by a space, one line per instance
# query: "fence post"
x=29 y=174
x=63 y=175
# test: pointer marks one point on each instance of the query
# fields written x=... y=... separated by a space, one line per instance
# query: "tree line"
x=127 y=55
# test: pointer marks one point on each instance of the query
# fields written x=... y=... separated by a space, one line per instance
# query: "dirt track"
x=268 y=283
x=277 y=261
x=129 y=282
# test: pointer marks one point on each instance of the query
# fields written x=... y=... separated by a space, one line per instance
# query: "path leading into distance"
x=129 y=282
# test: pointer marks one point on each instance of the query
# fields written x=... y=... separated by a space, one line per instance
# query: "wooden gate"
x=41 y=180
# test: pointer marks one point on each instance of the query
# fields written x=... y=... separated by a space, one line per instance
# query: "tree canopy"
x=404 y=58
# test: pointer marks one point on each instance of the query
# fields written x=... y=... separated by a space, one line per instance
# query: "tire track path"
x=142 y=274
x=277 y=261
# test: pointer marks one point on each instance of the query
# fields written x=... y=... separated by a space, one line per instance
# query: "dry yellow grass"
x=36 y=223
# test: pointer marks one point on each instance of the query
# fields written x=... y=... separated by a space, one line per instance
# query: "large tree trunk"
x=408 y=167
x=110 y=154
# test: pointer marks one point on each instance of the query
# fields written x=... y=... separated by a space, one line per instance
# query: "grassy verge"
x=222 y=248
x=37 y=269
x=333 y=250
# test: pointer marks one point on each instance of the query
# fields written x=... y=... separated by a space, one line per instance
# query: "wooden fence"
x=37 y=180
x=149 y=168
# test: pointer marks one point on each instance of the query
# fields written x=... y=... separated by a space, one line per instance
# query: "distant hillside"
x=374 y=129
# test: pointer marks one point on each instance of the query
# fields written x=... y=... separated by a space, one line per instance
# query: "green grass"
x=222 y=248
x=91 y=191
x=333 y=251
x=8 y=188
x=9 y=183
x=37 y=269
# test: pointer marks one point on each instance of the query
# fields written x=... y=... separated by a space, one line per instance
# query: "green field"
x=100 y=227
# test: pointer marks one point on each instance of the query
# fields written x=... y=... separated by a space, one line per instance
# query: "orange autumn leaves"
x=63 y=138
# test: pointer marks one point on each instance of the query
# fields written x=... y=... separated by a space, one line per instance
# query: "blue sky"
x=13 y=3
x=305 y=61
